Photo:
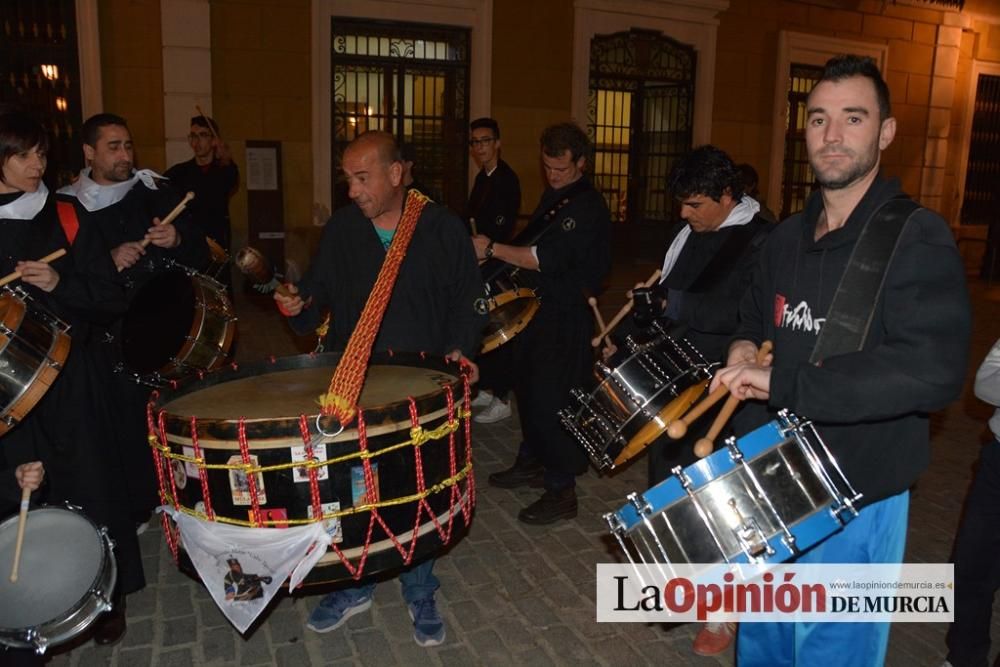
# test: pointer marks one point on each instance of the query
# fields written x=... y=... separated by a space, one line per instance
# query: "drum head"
x=158 y=322
x=290 y=393
x=61 y=558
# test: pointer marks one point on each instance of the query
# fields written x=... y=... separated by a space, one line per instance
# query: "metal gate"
x=982 y=176
x=640 y=118
x=797 y=180
x=411 y=80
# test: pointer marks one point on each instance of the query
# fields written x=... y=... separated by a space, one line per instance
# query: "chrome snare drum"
x=511 y=308
x=764 y=498
x=634 y=403
x=66 y=578
x=34 y=346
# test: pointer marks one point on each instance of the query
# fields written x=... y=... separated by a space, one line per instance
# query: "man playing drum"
x=437 y=307
x=569 y=262
x=125 y=206
x=869 y=400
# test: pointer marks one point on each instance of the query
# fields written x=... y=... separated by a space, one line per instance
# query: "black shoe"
x=551 y=507
x=111 y=625
x=518 y=475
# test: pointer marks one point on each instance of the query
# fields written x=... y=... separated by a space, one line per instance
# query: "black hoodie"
x=870 y=406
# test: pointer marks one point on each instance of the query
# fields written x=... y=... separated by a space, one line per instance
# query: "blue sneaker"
x=428 y=626
x=334 y=610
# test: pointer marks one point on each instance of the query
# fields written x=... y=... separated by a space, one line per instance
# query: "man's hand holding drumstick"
x=744 y=374
x=162 y=234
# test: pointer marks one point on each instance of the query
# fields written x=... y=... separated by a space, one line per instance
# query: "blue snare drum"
x=763 y=498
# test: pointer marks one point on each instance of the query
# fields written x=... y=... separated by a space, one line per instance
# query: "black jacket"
x=869 y=406
x=494 y=202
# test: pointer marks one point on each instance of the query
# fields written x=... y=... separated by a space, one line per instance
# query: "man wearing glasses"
x=492 y=211
x=213 y=177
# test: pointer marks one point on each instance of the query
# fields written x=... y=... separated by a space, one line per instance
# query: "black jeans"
x=977 y=565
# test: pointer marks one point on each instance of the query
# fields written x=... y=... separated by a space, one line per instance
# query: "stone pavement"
x=511 y=593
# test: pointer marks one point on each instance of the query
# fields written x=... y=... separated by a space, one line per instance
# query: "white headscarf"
x=741 y=214
x=26 y=206
x=94 y=197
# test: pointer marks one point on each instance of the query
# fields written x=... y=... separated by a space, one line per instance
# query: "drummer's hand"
x=163 y=236
x=608 y=350
x=290 y=306
x=29 y=475
x=127 y=254
x=39 y=274
x=479 y=242
x=222 y=152
x=456 y=355
x=745 y=381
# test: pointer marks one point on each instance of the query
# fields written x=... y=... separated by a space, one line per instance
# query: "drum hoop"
x=45 y=373
x=512 y=295
x=107 y=549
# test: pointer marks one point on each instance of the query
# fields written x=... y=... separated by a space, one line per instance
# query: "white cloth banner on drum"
x=94 y=196
x=243 y=568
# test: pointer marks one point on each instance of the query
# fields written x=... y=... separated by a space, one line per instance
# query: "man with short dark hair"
x=213 y=177
x=567 y=254
x=492 y=211
x=867 y=391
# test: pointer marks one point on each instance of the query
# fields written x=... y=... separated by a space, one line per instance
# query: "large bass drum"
x=396 y=486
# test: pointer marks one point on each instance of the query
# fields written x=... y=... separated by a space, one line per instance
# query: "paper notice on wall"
x=262 y=168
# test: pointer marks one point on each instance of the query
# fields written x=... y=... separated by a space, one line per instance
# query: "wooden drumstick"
x=22 y=519
x=597 y=313
x=472 y=224
x=51 y=257
x=172 y=215
x=678 y=429
x=207 y=122
x=705 y=445
x=623 y=312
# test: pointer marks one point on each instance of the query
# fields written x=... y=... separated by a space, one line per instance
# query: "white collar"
x=94 y=197
x=741 y=214
x=26 y=206
x=489 y=172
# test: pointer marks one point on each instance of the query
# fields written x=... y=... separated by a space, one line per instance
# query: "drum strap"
x=345 y=386
x=727 y=258
x=853 y=307
x=67 y=218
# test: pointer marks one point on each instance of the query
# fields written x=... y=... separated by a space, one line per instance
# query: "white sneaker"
x=497 y=411
x=482 y=400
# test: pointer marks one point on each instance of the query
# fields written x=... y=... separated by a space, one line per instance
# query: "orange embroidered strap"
x=345 y=386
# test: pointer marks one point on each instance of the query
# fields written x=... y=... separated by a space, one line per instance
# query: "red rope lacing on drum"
x=345 y=385
x=158 y=440
x=317 y=505
x=202 y=471
x=250 y=472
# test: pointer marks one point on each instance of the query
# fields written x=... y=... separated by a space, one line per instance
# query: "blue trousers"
x=876 y=535
x=417 y=581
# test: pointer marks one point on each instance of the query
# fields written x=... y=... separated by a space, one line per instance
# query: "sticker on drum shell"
x=301 y=473
x=190 y=468
x=271 y=517
x=331 y=525
x=180 y=475
x=359 y=495
x=239 y=483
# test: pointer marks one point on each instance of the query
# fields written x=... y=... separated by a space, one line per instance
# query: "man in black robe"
x=437 y=306
x=568 y=259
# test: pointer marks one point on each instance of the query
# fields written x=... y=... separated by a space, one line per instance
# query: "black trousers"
x=552 y=356
x=977 y=565
x=496 y=370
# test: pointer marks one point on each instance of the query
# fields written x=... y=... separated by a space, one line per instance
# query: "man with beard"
x=869 y=399
x=125 y=206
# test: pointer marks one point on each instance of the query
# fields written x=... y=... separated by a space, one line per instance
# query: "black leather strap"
x=853 y=306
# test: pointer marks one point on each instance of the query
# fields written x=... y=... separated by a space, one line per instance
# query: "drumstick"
x=597 y=313
x=705 y=445
x=22 y=519
x=472 y=224
x=623 y=312
x=207 y=122
x=172 y=215
x=51 y=257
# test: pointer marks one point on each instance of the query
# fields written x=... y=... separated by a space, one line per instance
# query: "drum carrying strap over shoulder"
x=68 y=219
x=853 y=307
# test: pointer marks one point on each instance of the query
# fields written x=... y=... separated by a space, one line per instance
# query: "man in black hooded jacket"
x=870 y=405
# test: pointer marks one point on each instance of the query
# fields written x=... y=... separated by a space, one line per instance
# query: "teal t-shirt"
x=384 y=235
